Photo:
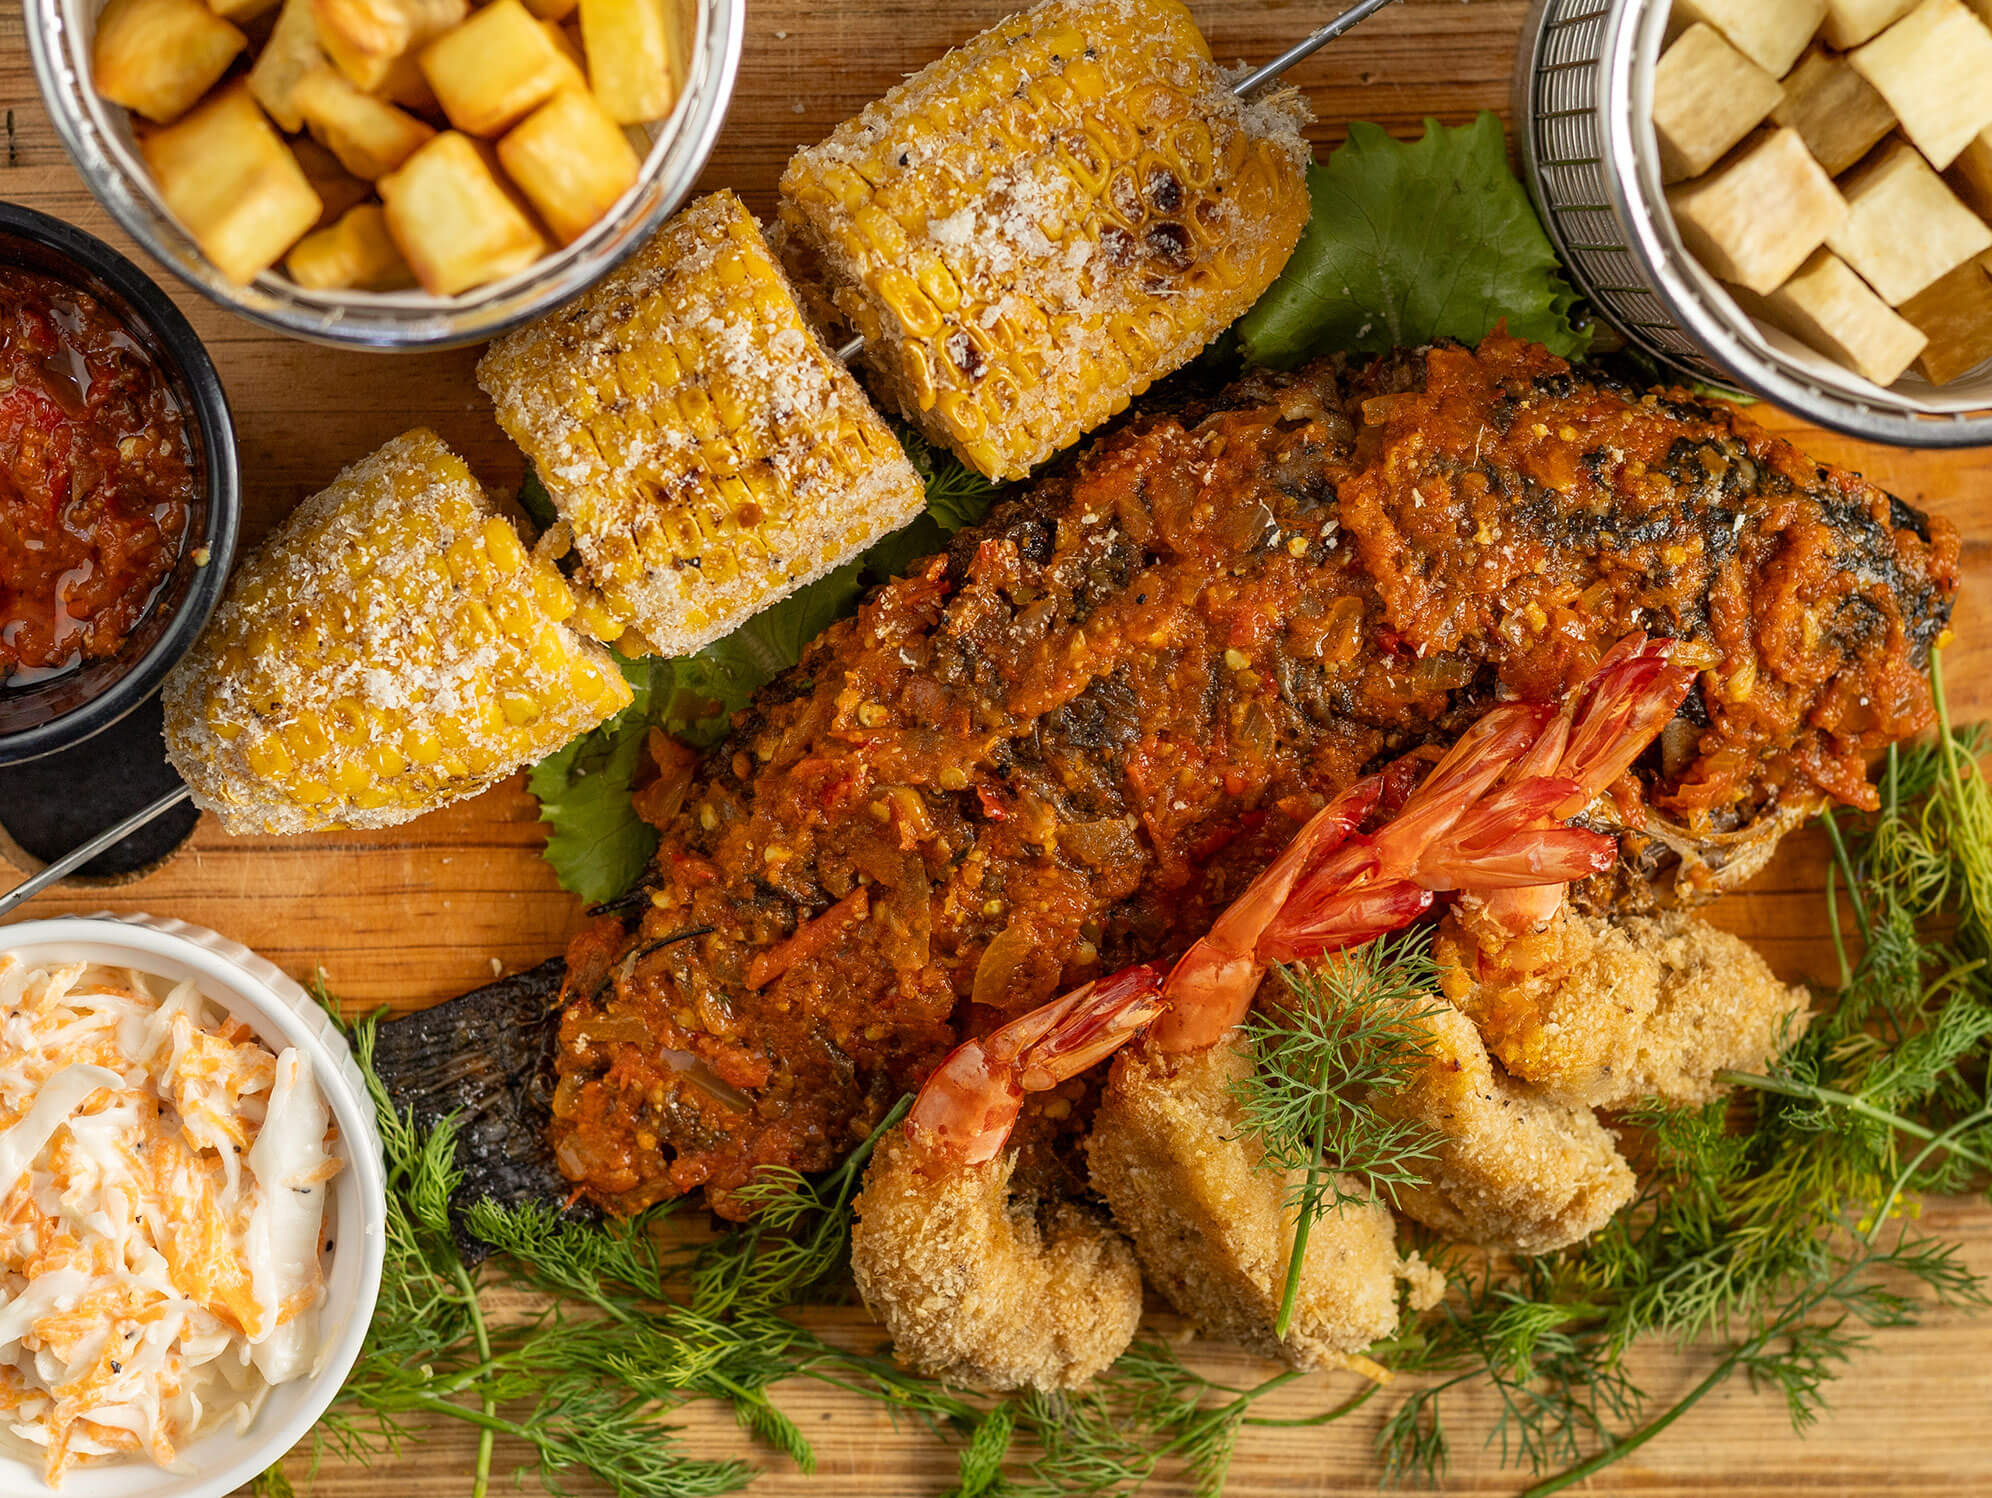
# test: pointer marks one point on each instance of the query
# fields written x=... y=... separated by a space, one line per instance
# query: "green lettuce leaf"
x=1412 y=241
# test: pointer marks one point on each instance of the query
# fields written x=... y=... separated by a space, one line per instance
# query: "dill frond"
x=1351 y=1029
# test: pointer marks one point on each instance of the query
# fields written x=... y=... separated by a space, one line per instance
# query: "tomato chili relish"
x=96 y=477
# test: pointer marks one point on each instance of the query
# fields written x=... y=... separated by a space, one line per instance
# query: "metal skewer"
x=77 y=857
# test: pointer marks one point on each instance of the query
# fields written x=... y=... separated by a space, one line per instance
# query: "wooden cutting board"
x=419 y=913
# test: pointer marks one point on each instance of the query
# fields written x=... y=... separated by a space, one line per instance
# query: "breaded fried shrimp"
x=1604 y=1011
x=982 y=1289
x=1171 y=1154
x=1720 y=1007
x=1514 y=1169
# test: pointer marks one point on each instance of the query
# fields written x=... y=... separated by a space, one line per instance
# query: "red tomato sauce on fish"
x=96 y=478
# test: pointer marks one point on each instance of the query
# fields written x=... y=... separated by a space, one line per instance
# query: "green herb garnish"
x=1411 y=241
x=1349 y=1031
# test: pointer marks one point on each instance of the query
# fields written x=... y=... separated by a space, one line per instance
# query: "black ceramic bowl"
x=61 y=711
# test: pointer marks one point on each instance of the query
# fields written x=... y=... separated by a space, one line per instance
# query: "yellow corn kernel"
x=399 y=691
x=1159 y=208
x=268 y=757
x=699 y=338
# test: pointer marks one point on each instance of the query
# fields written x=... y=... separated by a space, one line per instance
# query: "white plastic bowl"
x=282 y=1014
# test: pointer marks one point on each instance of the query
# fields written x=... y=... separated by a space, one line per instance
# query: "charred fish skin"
x=485 y=1059
x=1061 y=747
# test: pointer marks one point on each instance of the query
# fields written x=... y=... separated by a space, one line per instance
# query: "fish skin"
x=486 y=1059
x=1063 y=746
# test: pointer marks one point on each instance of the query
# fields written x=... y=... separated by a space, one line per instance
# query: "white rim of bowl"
x=231 y=976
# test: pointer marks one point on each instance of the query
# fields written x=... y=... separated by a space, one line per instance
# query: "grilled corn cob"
x=1035 y=228
x=390 y=649
x=709 y=453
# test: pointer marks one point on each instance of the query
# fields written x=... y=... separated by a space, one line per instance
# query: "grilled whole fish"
x=1065 y=745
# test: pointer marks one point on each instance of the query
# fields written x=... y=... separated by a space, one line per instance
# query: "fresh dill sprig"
x=1777 y=1241
x=1351 y=1029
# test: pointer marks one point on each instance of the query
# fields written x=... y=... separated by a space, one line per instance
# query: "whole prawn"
x=1490 y=821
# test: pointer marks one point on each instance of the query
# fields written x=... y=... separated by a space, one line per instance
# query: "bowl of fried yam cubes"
x=1828 y=164
x=388 y=173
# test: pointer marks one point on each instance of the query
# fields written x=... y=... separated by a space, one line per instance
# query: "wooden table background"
x=416 y=914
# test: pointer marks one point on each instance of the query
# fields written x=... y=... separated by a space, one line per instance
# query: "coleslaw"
x=162 y=1214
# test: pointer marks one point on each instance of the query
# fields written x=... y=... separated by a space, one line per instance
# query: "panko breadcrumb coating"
x=1514 y=1169
x=982 y=1290
x=1171 y=1154
x=1605 y=1010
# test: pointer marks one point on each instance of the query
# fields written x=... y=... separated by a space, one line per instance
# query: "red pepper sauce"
x=96 y=478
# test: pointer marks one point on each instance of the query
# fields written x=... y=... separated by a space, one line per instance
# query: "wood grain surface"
x=413 y=915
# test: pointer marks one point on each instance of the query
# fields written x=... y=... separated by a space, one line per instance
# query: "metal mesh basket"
x=1582 y=112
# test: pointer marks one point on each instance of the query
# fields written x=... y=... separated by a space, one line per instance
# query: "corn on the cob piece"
x=709 y=453
x=1035 y=228
x=390 y=649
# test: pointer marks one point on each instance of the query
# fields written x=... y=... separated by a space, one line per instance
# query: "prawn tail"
x=1100 y=1018
x=1211 y=986
x=1637 y=688
x=966 y=1110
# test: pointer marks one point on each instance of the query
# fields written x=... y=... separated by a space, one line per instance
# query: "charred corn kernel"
x=321 y=699
x=707 y=452
x=1033 y=229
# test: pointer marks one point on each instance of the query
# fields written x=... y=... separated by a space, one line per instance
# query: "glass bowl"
x=62 y=710
x=99 y=139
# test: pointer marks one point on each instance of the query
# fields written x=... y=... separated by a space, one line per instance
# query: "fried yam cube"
x=456 y=223
x=357 y=253
x=1934 y=67
x=290 y=53
x=1035 y=228
x=1904 y=228
x=391 y=648
x=571 y=161
x=496 y=68
x=1755 y=219
x=370 y=138
x=1771 y=33
x=1834 y=109
x=709 y=453
x=233 y=183
x=337 y=188
x=1955 y=315
x=157 y=57
x=634 y=57
x=374 y=40
x=1829 y=308
x=1971 y=174
x=1850 y=22
x=1706 y=97
x=1213 y=1225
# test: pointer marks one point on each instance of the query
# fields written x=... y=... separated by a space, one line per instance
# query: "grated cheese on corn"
x=708 y=452
x=1030 y=231
x=390 y=649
